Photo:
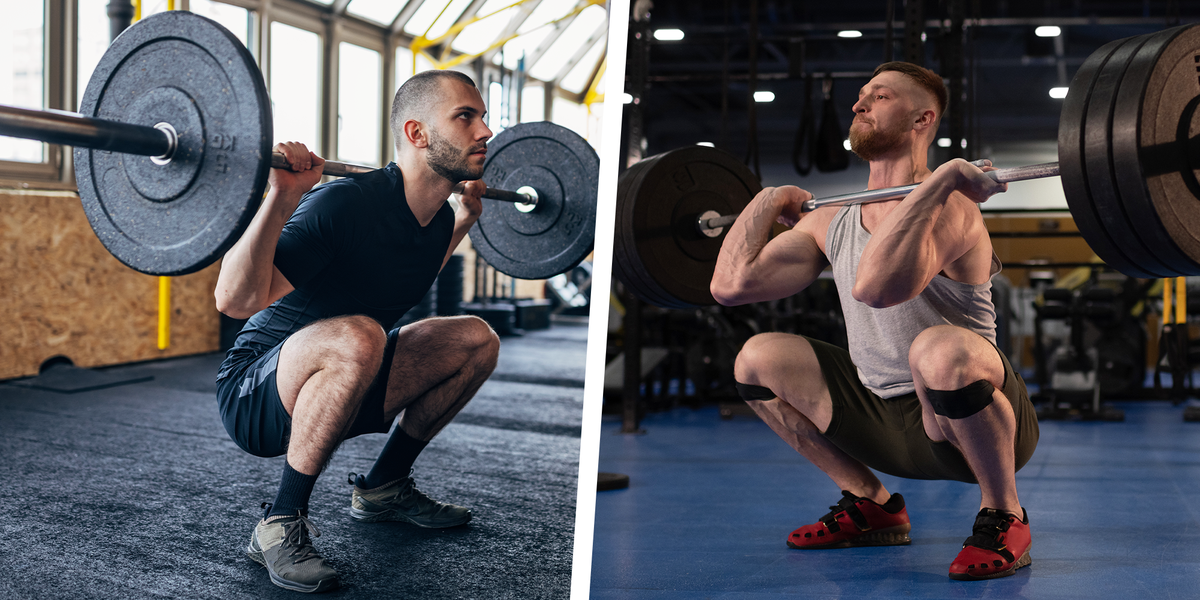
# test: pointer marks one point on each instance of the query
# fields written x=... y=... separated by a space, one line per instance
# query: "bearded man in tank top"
x=923 y=392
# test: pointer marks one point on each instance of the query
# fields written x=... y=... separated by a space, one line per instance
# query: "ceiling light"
x=1047 y=31
x=1058 y=92
x=627 y=98
x=668 y=35
x=709 y=144
x=849 y=33
x=846 y=144
x=943 y=142
x=764 y=96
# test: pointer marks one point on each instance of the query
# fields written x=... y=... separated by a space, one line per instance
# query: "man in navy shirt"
x=322 y=275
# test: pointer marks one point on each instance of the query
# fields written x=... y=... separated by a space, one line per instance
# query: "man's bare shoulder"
x=816 y=224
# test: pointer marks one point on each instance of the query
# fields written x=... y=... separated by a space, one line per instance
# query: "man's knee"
x=354 y=341
x=944 y=357
x=753 y=358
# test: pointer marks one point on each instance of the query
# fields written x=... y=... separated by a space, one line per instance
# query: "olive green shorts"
x=888 y=434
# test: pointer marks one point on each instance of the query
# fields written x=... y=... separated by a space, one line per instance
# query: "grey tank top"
x=880 y=337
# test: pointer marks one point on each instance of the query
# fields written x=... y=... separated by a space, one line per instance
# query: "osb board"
x=64 y=294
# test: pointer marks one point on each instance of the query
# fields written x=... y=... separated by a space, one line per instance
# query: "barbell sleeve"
x=73 y=129
x=1037 y=171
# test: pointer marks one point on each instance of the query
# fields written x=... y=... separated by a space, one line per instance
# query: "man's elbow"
x=227 y=307
x=876 y=296
x=728 y=292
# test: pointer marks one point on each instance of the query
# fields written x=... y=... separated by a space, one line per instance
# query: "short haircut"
x=928 y=80
x=417 y=95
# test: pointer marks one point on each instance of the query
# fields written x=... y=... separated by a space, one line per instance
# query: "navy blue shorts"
x=254 y=415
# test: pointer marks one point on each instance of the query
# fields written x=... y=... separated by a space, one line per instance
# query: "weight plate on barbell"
x=1071 y=163
x=187 y=71
x=1154 y=150
x=1098 y=158
x=657 y=221
x=560 y=232
x=626 y=265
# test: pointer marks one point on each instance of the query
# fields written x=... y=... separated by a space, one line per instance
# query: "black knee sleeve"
x=961 y=403
x=753 y=392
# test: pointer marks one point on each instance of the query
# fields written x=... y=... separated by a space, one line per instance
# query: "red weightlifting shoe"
x=855 y=521
x=997 y=548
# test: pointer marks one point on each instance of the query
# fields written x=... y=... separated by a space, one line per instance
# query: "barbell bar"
x=172 y=163
x=160 y=142
x=713 y=226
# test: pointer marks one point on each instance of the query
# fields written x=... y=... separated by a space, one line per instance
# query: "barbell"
x=1129 y=161
x=173 y=147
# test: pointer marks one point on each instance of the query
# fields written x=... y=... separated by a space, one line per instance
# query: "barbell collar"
x=708 y=225
x=72 y=129
x=519 y=197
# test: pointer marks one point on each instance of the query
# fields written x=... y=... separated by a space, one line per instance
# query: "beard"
x=873 y=143
x=449 y=161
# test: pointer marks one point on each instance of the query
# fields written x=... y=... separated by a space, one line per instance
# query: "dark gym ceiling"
x=1009 y=70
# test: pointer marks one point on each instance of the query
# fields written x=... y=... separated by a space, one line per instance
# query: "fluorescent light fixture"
x=764 y=96
x=1058 y=92
x=1047 y=31
x=668 y=35
x=626 y=98
x=709 y=144
x=846 y=144
x=943 y=142
x=850 y=33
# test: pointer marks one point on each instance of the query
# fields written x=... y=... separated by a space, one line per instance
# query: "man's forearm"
x=901 y=256
x=462 y=225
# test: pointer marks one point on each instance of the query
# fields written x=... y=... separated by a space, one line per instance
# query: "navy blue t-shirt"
x=353 y=247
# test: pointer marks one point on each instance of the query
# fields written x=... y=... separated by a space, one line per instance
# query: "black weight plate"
x=626 y=265
x=644 y=284
x=188 y=71
x=1098 y=156
x=1072 y=169
x=1153 y=124
x=560 y=232
x=674 y=260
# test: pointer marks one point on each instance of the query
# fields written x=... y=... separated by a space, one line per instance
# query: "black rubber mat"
x=136 y=491
x=68 y=379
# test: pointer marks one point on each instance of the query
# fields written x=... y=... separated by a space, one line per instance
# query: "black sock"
x=294 y=490
x=395 y=461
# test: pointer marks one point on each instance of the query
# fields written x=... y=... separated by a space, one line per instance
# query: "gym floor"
x=136 y=491
x=1113 y=509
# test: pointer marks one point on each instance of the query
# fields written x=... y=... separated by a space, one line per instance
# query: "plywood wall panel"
x=63 y=294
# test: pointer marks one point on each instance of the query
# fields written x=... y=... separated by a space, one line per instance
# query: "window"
x=234 y=18
x=359 y=122
x=296 y=85
x=380 y=11
x=478 y=36
x=571 y=115
x=556 y=57
x=93 y=41
x=533 y=103
x=580 y=76
x=497 y=111
x=22 y=65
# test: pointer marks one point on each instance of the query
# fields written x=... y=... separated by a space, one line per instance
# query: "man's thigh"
x=250 y=407
x=254 y=414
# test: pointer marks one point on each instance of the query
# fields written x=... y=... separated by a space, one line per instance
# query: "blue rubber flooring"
x=1113 y=509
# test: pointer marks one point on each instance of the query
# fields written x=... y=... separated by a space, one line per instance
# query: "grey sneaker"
x=400 y=500
x=281 y=544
